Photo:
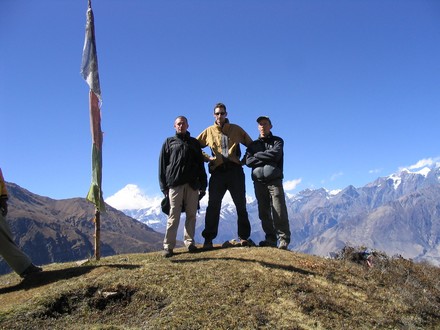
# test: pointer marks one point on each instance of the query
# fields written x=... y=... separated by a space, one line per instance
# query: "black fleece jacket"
x=181 y=161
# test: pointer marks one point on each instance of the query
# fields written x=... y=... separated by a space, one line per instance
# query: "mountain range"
x=398 y=215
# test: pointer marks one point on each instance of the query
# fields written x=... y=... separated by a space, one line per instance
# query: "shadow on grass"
x=262 y=263
x=51 y=276
x=215 y=247
x=199 y=250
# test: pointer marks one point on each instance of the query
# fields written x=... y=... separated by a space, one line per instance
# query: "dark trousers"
x=272 y=210
x=221 y=180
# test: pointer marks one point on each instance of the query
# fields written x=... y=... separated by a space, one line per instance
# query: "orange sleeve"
x=3 y=191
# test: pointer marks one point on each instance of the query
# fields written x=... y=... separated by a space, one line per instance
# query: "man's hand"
x=4 y=206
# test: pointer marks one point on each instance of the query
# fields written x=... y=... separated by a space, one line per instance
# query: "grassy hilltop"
x=234 y=288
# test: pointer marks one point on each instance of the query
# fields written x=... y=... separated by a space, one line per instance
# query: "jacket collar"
x=262 y=138
x=225 y=127
x=184 y=136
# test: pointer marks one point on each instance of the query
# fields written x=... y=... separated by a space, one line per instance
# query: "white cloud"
x=375 y=171
x=290 y=185
x=333 y=177
x=336 y=175
x=426 y=162
x=422 y=163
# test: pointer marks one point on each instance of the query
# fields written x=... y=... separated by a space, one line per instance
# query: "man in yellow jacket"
x=227 y=173
x=9 y=250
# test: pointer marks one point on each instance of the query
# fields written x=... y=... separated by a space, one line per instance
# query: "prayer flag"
x=89 y=71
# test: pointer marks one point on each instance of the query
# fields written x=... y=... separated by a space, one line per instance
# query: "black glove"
x=4 y=206
x=202 y=194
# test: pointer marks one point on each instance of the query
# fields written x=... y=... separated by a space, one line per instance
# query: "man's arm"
x=273 y=154
x=203 y=140
x=247 y=139
x=250 y=160
x=163 y=162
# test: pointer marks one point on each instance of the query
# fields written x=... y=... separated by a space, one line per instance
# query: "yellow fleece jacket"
x=226 y=139
x=3 y=191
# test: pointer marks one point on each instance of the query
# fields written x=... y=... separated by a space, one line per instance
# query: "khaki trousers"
x=186 y=196
x=12 y=254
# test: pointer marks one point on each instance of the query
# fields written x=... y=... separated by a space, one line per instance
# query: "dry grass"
x=234 y=288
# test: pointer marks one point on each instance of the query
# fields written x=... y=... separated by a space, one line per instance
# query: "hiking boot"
x=192 y=248
x=32 y=269
x=238 y=242
x=167 y=253
x=208 y=245
x=251 y=243
x=267 y=243
x=229 y=244
x=283 y=245
x=243 y=242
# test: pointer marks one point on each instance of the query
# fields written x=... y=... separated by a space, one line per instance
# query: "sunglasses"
x=219 y=113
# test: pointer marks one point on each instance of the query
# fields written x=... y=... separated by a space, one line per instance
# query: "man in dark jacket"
x=266 y=156
x=182 y=179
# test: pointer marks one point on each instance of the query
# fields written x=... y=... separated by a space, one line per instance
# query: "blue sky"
x=352 y=86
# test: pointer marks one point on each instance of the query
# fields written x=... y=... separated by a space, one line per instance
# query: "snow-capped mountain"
x=134 y=203
x=398 y=214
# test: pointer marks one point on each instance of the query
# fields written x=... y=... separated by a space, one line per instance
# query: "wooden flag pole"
x=89 y=71
x=97 y=235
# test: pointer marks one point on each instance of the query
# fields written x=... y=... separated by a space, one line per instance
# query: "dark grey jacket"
x=266 y=157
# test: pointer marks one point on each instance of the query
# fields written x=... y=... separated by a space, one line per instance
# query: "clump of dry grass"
x=246 y=288
x=413 y=288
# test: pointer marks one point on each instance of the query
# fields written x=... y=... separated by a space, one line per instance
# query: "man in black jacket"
x=182 y=179
x=266 y=156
